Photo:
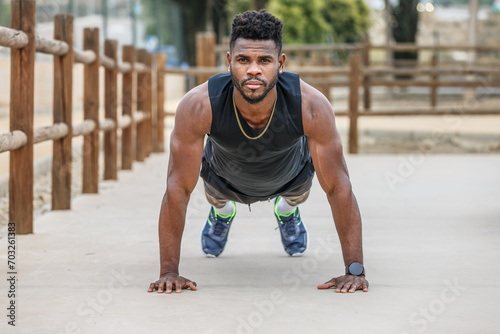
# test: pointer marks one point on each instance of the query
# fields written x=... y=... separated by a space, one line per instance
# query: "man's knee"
x=296 y=200
x=218 y=203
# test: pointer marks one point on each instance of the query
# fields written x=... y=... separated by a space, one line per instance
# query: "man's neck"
x=256 y=115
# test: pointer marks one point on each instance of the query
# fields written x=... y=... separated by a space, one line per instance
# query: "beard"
x=255 y=99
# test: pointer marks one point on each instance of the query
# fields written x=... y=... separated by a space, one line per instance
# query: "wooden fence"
x=141 y=121
x=360 y=74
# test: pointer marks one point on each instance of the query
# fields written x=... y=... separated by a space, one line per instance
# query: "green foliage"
x=317 y=21
x=348 y=20
x=5 y=13
x=314 y=21
x=303 y=20
x=234 y=7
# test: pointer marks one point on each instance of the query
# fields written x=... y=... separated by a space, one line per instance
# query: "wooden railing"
x=360 y=74
x=141 y=121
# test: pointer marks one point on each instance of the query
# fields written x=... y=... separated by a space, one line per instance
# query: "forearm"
x=170 y=229
x=347 y=218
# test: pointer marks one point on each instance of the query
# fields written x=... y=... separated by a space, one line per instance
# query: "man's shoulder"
x=312 y=98
x=193 y=117
x=195 y=105
x=315 y=106
x=198 y=95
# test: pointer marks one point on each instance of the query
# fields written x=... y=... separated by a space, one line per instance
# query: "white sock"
x=283 y=207
x=226 y=210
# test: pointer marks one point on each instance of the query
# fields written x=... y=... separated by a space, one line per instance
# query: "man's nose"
x=254 y=69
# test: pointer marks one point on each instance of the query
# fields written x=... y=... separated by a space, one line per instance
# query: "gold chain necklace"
x=268 y=122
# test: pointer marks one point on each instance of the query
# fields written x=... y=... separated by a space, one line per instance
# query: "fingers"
x=190 y=285
x=328 y=285
x=349 y=288
x=346 y=284
x=161 y=286
x=153 y=286
x=169 y=285
x=353 y=286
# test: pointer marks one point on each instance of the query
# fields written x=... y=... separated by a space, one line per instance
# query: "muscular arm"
x=326 y=151
x=192 y=122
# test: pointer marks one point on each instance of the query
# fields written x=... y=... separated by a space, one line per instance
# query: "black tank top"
x=262 y=166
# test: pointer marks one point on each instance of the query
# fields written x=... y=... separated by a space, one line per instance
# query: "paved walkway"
x=431 y=251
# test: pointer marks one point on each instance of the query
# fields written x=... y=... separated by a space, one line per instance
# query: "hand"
x=170 y=281
x=346 y=283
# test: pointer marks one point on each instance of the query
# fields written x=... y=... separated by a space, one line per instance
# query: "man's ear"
x=228 y=60
x=281 y=61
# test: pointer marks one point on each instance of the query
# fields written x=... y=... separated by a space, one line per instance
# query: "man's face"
x=254 y=66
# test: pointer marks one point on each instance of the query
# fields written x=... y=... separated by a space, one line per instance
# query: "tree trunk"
x=259 y=4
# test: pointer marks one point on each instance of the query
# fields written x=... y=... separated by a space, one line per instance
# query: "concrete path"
x=432 y=254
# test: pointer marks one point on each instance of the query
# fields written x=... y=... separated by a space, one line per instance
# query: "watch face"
x=356 y=269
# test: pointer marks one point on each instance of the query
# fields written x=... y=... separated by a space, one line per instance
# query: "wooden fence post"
x=62 y=113
x=302 y=57
x=110 y=102
x=205 y=52
x=128 y=103
x=141 y=128
x=366 y=78
x=433 y=81
x=355 y=62
x=22 y=73
x=91 y=111
x=159 y=145
x=149 y=105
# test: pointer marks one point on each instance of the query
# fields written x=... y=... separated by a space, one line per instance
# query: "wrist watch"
x=355 y=268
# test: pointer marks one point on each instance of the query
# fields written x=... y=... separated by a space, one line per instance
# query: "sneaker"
x=215 y=231
x=293 y=231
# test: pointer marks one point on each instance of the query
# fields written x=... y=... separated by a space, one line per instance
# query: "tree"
x=193 y=19
x=405 y=26
x=319 y=21
x=236 y=7
x=303 y=20
x=348 y=20
x=259 y=4
x=313 y=21
x=306 y=21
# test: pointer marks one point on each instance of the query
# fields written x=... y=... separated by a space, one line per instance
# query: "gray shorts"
x=221 y=189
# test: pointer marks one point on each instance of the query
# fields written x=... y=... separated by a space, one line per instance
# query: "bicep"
x=192 y=122
x=328 y=160
x=326 y=147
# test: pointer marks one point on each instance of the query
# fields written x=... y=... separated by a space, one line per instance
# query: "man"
x=268 y=132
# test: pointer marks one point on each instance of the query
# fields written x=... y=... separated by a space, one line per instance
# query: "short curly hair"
x=257 y=25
